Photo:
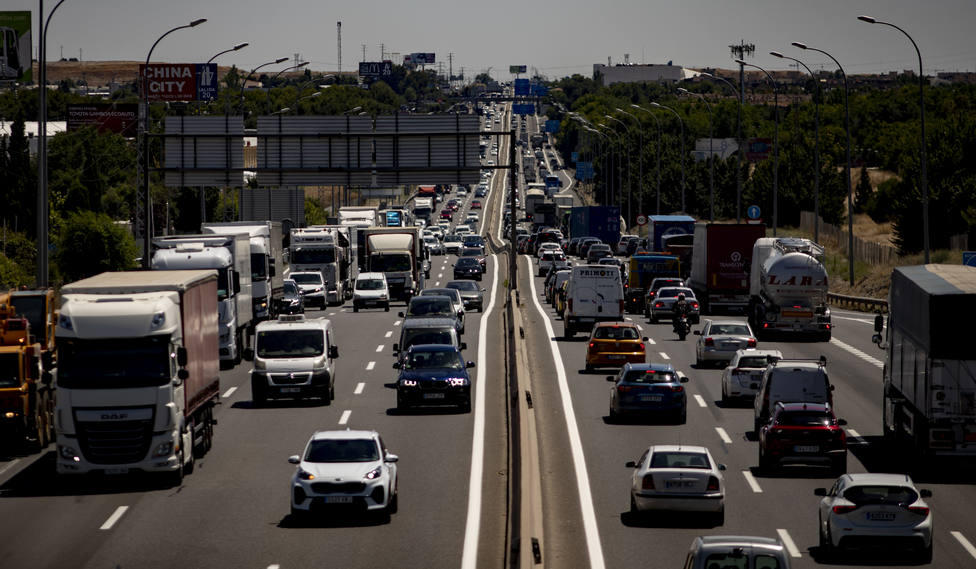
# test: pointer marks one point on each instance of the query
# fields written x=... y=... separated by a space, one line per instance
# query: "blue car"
x=433 y=374
x=651 y=390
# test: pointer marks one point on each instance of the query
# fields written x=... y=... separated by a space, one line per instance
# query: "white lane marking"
x=397 y=323
x=359 y=388
x=345 y=417
x=229 y=392
x=665 y=356
x=437 y=284
x=784 y=536
x=379 y=348
x=641 y=328
x=723 y=435
x=874 y=361
x=651 y=341
x=628 y=319
x=440 y=275
x=9 y=465
x=389 y=334
x=970 y=549
x=332 y=314
x=856 y=436
x=472 y=524
x=274 y=566
x=114 y=517
x=593 y=545
x=370 y=366
x=700 y=400
x=865 y=320
x=752 y=482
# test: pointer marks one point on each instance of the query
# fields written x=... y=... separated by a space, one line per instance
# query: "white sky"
x=558 y=38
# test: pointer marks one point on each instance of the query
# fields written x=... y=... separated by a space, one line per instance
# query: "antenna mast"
x=339 y=46
x=740 y=51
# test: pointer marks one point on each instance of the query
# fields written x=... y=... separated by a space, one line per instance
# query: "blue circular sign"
x=753 y=212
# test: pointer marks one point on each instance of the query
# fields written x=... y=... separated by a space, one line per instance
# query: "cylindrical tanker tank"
x=789 y=288
x=792 y=276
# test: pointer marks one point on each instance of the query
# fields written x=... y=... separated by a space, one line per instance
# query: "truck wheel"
x=258 y=397
x=240 y=348
x=355 y=307
x=567 y=331
x=175 y=479
x=386 y=307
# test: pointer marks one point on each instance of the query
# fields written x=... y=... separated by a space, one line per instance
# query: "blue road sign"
x=753 y=212
x=523 y=108
x=552 y=126
x=540 y=90
x=969 y=258
x=521 y=87
x=574 y=156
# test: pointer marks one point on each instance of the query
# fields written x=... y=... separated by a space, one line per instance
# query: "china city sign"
x=178 y=81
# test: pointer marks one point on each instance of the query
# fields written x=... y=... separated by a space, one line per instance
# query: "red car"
x=803 y=433
x=453 y=204
x=447 y=214
x=476 y=204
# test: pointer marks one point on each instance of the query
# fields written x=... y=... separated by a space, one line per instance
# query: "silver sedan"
x=718 y=340
x=678 y=478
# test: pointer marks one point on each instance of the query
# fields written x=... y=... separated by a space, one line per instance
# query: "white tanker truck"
x=788 y=288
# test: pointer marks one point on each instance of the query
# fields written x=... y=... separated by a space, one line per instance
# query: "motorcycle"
x=682 y=327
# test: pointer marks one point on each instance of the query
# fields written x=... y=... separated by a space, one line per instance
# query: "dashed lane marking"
x=388 y=334
x=873 y=361
x=970 y=549
x=664 y=356
x=111 y=521
x=784 y=536
x=752 y=482
x=9 y=465
x=345 y=417
x=651 y=341
x=359 y=388
x=379 y=348
x=370 y=366
x=857 y=437
x=397 y=323
x=723 y=435
x=700 y=400
x=229 y=392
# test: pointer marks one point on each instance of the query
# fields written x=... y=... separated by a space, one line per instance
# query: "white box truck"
x=138 y=372
x=399 y=253
x=267 y=262
x=328 y=250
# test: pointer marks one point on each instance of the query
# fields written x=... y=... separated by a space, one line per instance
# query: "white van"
x=792 y=381
x=594 y=294
x=293 y=357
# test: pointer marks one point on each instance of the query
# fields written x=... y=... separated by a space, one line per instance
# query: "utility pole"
x=382 y=52
x=739 y=52
x=364 y=52
x=339 y=47
x=450 y=68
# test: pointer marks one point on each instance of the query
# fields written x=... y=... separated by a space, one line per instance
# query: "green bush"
x=92 y=243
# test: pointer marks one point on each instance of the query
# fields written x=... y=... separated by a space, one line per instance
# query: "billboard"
x=419 y=59
x=106 y=117
x=375 y=69
x=178 y=81
x=758 y=149
x=15 y=47
x=513 y=69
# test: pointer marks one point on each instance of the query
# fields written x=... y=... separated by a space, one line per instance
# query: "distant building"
x=633 y=73
x=31 y=129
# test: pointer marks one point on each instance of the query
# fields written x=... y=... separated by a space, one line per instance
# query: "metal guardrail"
x=860 y=303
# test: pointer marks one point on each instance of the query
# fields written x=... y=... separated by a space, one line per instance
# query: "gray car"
x=472 y=295
x=454 y=295
x=663 y=305
x=718 y=340
x=598 y=251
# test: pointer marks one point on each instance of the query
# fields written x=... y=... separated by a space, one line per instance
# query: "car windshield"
x=729 y=330
x=680 y=459
x=471 y=252
x=290 y=288
x=754 y=361
x=430 y=306
x=463 y=285
x=370 y=284
x=649 y=376
x=307 y=278
x=474 y=240
x=342 y=450
x=433 y=360
x=804 y=419
x=448 y=292
x=466 y=263
x=452 y=238
x=390 y=263
x=895 y=495
x=440 y=336
x=615 y=333
x=290 y=343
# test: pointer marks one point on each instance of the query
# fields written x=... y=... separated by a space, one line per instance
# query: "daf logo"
x=114 y=416
x=736 y=256
x=291 y=376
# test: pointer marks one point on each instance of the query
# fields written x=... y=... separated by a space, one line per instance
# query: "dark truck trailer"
x=602 y=222
x=930 y=366
x=721 y=258
x=661 y=226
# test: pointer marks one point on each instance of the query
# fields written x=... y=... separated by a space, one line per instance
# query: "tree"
x=314 y=213
x=862 y=195
x=92 y=243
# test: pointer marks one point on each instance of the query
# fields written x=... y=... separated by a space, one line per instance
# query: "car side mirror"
x=683 y=379
x=464 y=345
x=721 y=466
x=400 y=314
x=390 y=457
x=396 y=348
x=820 y=492
x=925 y=493
x=396 y=365
x=294 y=459
x=831 y=387
x=181 y=357
x=697 y=332
x=469 y=364
x=333 y=352
x=248 y=354
x=630 y=464
x=610 y=378
x=878 y=323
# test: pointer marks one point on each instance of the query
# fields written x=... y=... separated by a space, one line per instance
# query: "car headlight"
x=408 y=382
x=457 y=381
x=319 y=289
x=305 y=475
x=374 y=474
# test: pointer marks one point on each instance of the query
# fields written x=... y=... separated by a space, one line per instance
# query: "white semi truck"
x=267 y=262
x=138 y=372
x=788 y=288
x=230 y=256
x=326 y=249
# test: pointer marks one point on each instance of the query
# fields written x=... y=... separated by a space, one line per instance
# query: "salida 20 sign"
x=178 y=81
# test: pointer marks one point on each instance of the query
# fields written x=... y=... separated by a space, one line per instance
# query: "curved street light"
x=609 y=159
x=739 y=151
x=682 y=123
x=816 y=145
x=630 y=168
x=278 y=74
x=847 y=127
x=657 y=148
x=147 y=230
x=248 y=77
x=775 y=142
x=640 y=162
x=615 y=184
x=235 y=48
x=921 y=104
x=711 y=152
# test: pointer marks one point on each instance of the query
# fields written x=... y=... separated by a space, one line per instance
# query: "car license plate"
x=585 y=319
x=433 y=396
x=650 y=397
x=616 y=357
x=291 y=390
x=730 y=344
x=806 y=448
x=338 y=499
x=118 y=470
x=679 y=483
x=881 y=516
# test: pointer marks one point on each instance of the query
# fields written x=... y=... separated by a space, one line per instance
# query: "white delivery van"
x=594 y=294
x=293 y=357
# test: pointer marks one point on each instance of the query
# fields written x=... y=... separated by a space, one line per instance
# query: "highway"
x=232 y=511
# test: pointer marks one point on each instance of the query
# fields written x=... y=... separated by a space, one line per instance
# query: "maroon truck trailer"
x=720 y=262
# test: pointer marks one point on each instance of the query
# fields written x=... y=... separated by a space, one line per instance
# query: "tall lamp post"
x=43 y=255
x=740 y=151
x=235 y=48
x=608 y=159
x=620 y=146
x=640 y=162
x=147 y=229
x=658 y=152
x=775 y=142
x=921 y=104
x=248 y=77
x=711 y=152
x=682 y=124
x=816 y=145
x=630 y=168
x=847 y=127
x=278 y=74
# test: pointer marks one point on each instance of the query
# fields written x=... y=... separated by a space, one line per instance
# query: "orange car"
x=614 y=344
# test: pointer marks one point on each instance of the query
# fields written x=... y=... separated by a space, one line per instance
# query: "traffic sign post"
x=969 y=258
x=642 y=220
x=753 y=212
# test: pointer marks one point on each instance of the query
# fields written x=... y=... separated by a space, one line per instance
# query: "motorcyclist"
x=681 y=308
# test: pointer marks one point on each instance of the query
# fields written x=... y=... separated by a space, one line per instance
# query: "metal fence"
x=867 y=251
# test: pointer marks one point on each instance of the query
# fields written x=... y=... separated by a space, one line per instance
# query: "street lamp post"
x=682 y=124
x=43 y=254
x=619 y=176
x=847 y=127
x=235 y=48
x=921 y=104
x=630 y=168
x=278 y=74
x=711 y=153
x=147 y=229
x=775 y=142
x=640 y=162
x=248 y=77
x=740 y=151
x=816 y=146
x=608 y=159
x=657 y=148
